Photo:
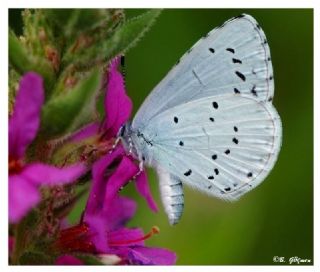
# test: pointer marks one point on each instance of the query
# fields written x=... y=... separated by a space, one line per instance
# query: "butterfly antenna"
x=115 y=144
x=123 y=70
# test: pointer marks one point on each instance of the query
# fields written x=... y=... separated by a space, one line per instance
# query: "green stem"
x=19 y=242
x=23 y=232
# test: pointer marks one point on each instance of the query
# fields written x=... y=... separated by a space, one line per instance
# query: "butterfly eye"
x=121 y=131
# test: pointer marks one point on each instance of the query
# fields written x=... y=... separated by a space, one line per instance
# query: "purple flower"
x=128 y=243
x=118 y=107
x=105 y=233
x=102 y=228
x=25 y=178
x=104 y=192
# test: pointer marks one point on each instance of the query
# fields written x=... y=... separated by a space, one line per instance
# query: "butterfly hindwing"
x=223 y=145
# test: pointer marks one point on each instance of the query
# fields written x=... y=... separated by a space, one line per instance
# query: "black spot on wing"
x=235 y=140
x=231 y=50
x=215 y=105
x=211 y=119
x=211 y=177
x=214 y=157
x=240 y=75
x=235 y=129
x=211 y=50
x=249 y=175
x=236 y=91
x=253 y=90
x=227 y=152
x=175 y=119
x=236 y=61
x=216 y=170
x=188 y=173
x=181 y=143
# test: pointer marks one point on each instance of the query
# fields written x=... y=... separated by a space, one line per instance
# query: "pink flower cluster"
x=101 y=230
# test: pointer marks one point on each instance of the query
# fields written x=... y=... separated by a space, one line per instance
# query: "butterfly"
x=210 y=122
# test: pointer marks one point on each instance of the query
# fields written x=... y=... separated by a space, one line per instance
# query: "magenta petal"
x=23 y=196
x=68 y=260
x=119 y=212
x=123 y=236
x=45 y=174
x=85 y=132
x=140 y=255
x=149 y=255
x=124 y=172
x=144 y=190
x=97 y=192
x=117 y=104
x=25 y=120
x=97 y=226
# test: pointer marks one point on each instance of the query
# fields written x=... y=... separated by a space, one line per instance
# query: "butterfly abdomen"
x=172 y=195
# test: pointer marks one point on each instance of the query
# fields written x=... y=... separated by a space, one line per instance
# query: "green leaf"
x=69 y=111
x=23 y=61
x=83 y=27
x=60 y=17
x=13 y=87
x=23 y=235
x=125 y=37
x=41 y=38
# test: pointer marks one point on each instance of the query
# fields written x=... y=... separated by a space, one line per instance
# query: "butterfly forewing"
x=234 y=58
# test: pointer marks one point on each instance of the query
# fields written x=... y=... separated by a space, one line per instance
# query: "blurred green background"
x=276 y=219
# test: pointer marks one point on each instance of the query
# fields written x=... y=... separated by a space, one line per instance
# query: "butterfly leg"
x=172 y=195
x=140 y=170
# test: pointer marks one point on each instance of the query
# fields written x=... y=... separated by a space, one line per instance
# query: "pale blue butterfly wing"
x=234 y=58
x=224 y=150
x=210 y=122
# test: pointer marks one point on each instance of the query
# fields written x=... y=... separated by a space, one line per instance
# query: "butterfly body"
x=210 y=122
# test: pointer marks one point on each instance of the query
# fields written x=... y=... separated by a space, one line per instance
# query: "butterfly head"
x=135 y=143
x=125 y=135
